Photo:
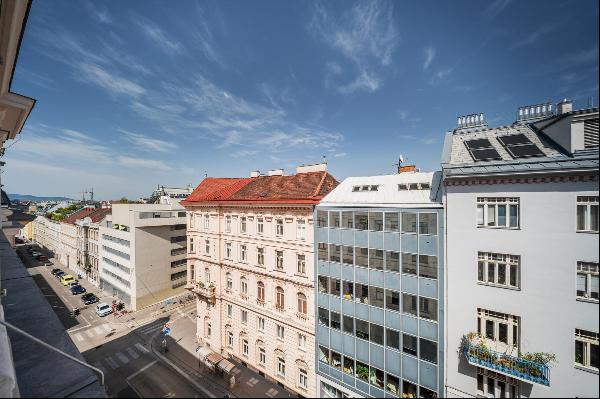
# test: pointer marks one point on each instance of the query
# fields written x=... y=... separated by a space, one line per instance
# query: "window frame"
x=487 y=259
x=586 y=269
x=587 y=339
x=487 y=203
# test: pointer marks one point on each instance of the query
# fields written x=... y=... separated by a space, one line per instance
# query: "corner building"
x=380 y=274
x=250 y=251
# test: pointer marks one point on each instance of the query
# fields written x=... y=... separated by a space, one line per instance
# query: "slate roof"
x=301 y=188
x=99 y=214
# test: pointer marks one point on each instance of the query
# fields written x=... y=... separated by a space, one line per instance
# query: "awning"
x=226 y=366
x=214 y=358
x=203 y=352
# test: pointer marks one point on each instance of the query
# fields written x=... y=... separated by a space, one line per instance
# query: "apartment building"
x=522 y=255
x=142 y=252
x=250 y=244
x=67 y=253
x=380 y=293
x=46 y=232
x=88 y=244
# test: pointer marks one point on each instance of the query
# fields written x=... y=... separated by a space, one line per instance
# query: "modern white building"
x=379 y=272
x=142 y=252
x=522 y=255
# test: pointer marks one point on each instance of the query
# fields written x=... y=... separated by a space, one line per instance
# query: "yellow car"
x=66 y=279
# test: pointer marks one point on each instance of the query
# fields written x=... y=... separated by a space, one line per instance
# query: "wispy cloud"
x=203 y=35
x=425 y=140
x=144 y=163
x=441 y=75
x=35 y=78
x=99 y=12
x=533 y=37
x=109 y=81
x=429 y=56
x=145 y=143
x=495 y=8
x=159 y=36
x=76 y=135
x=365 y=34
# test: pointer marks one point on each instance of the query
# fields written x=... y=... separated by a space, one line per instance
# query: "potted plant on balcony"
x=362 y=372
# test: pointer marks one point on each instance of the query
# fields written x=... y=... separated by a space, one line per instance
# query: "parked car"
x=55 y=271
x=103 y=309
x=35 y=254
x=18 y=240
x=77 y=289
x=59 y=274
x=89 y=298
x=66 y=279
x=48 y=263
x=73 y=283
x=42 y=258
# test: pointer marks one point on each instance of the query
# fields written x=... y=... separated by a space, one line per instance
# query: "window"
x=376 y=259
x=494 y=385
x=391 y=221
x=230 y=339
x=376 y=377
x=280 y=331
x=260 y=226
x=348 y=290
x=336 y=321
x=244 y=316
x=347 y=220
x=262 y=356
x=428 y=266
x=279 y=227
x=499 y=269
x=348 y=365
x=428 y=223
x=334 y=219
x=279 y=260
x=301 y=264
x=324 y=355
x=392 y=338
x=392 y=300
x=208 y=331
x=260 y=291
x=376 y=333
x=362 y=293
x=336 y=360
x=323 y=284
x=242 y=224
x=207 y=247
x=409 y=344
x=191 y=223
x=498 y=212
x=191 y=246
x=428 y=308
x=428 y=350
x=229 y=281
x=498 y=327
x=206 y=222
x=321 y=218
x=393 y=385
x=260 y=256
x=362 y=371
x=261 y=324
x=322 y=251
x=409 y=263
x=409 y=222
x=362 y=329
x=376 y=296
x=279 y=298
x=348 y=324
x=334 y=253
x=302 y=308
x=301 y=229
x=301 y=341
x=362 y=257
x=409 y=304
x=348 y=255
x=243 y=253
x=243 y=285
x=229 y=310
x=228 y=250
x=245 y=349
x=302 y=378
x=361 y=220
x=586 y=349
x=228 y=224
x=334 y=287
x=392 y=261
x=376 y=221
x=207 y=275
x=587 y=280
x=587 y=213
x=281 y=367
x=323 y=316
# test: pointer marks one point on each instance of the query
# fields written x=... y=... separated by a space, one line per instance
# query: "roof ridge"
x=318 y=190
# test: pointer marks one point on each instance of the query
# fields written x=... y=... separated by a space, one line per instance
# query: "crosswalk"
x=149 y=328
x=119 y=359
x=92 y=332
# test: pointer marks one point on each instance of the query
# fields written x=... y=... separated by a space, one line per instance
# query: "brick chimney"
x=564 y=106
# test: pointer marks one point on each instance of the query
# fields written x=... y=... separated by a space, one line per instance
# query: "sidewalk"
x=181 y=353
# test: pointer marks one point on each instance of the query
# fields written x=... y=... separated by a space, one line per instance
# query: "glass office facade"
x=379 y=309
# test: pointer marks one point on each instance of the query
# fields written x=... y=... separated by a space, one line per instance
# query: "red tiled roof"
x=301 y=188
x=80 y=214
x=99 y=214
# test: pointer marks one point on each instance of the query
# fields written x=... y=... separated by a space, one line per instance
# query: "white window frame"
x=228 y=250
x=587 y=338
x=243 y=224
x=207 y=247
x=301 y=341
x=587 y=203
x=301 y=264
x=260 y=225
x=260 y=256
x=243 y=253
x=302 y=378
x=262 y=356
x=279 y=227
x=230 y=339
x=207 y=222
x=511 y=385
x=229 y=310
x=512 y=323
x=487 y=209
x=261 y=324
x=244 y=285
x=280 y=332
x=589 y=271
x=279 y=260
x=245 y=348
x=229 y=281
x=228 y=223
x=301 y=229
x=493 y=261
x=280 y=367
x=244 y=316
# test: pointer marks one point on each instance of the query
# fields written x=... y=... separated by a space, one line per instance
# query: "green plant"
x=539 y=357
x=362 y=372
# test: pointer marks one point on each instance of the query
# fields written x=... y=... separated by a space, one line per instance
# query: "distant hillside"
x=27 y=197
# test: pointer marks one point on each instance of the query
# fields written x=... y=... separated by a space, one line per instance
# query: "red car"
x=42 y=258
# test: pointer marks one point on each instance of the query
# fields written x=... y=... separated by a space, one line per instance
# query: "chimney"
x=473 y=120
x=318 y=167
x=407 y=168
x=276 y=172
x=564 y=106
x=255 y=173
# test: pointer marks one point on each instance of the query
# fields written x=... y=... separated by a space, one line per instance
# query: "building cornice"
x=526 y=179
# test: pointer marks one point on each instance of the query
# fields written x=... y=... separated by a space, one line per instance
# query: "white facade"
x=142 y=253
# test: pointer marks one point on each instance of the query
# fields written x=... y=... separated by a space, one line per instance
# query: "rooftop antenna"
x=398 y=164
x=205 y=174
x=91 y=193
x=82 y=195
x=323 y=159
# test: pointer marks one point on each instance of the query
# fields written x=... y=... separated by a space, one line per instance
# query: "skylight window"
x=372 y=187
x=413 y=186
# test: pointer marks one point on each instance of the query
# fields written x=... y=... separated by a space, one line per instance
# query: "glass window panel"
x=581 y=216
x=581 y=285
x=361 y=291
x=480 y=271
x=334 y=286
x=392 y=261
x=391 y=221
x=502 y=274
x=428 y=350
x=409 y=390
x=428 y=266
x=594 y=217
x=324 y=316
x=514 y=215
x=376 y=259
x=594 y=356
x=392 y=300
x=376 y=334
x=409 y=344
x=393 y=385
x=427 y=393
x=336 y=360
x=491 y=215
x=427 y=223
x=480 y=211
x=348 y=365
x=594 y=287
x=324 y=355
x=489 y=329
x=501 y=215
x=347 y=220
x=348 y=290
x=362 y=371
x=322 y=251
x=503 y=333
x=491 y=272
x=321 y=219
x=335 y=320
x=392 y=338
x=409 y=222
x=362 y=257
x=362 y=329
x=323 y=284
x=376 y=296
x=334 y=252
x=409 y=304
x=349 y=325
x=514 y=274
x=348 y=255
x=579 y=352
x=361 y=220
x=334 y=219
x=376 y=221
x=428 y=308
x=376 y=377
x=409 y=263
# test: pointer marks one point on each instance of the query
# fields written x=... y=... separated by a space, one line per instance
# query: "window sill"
x=301 y=275
x=498 y=228
x=588 y=369
x=587 y=300
x=506 y=287
x=586 y=231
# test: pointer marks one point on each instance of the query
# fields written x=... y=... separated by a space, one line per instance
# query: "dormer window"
x=372 y=187
x=413 y=186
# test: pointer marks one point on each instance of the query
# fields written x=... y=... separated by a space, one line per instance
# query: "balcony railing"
x=516 y=367
x=207 y=293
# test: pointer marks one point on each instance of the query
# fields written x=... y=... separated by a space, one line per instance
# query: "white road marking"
x=146 y=367
x=78 y=337
x=111 y=363
x=142 y=348
x=89 y=333
x=132 y=353
x=124 y=359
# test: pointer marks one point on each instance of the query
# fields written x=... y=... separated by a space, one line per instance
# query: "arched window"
x=260 y=288
x=302 y=303
x=244 y=285
x=279 y=298
x=229 y=281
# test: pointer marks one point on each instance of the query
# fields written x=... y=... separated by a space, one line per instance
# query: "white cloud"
x=535 y=36
x=146 y=143
x=76 y=135
x=339 y=154
x=441 y=75
x=495 y=8
x=99 y=12
x=159 y=36
x=365 y=81
x=429 y=56
x=420 y=139
x=143 y=163
x=109 y=81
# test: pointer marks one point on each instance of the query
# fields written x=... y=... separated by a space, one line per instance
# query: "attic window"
x=373 y=187
x=414 y=186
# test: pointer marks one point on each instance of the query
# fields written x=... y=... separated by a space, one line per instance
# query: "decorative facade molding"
x=472 y=181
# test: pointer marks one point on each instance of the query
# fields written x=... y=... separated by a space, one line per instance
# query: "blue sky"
x=133 y=94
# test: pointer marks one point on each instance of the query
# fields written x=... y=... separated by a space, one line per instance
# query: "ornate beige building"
x=250 y=257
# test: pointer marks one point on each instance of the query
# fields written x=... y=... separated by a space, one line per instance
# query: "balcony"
x=477 y=354
x=207 y=293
